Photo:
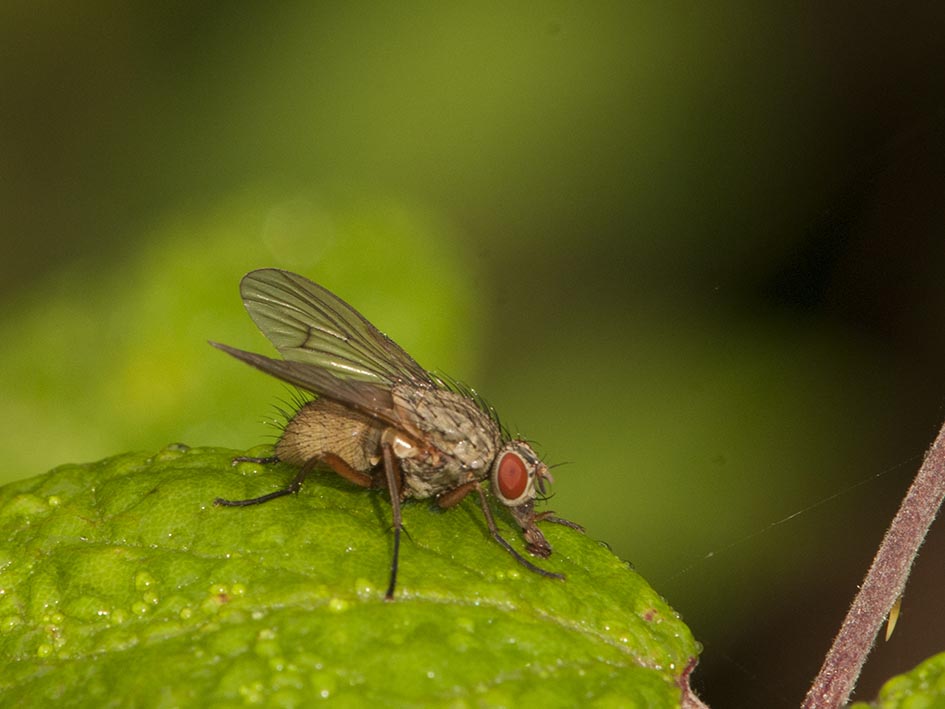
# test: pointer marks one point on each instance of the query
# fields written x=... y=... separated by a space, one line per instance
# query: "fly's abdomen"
x=323 y=426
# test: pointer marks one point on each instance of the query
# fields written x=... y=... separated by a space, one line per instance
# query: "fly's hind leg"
x=269 y=459
x=293 y=486
x=333 y=461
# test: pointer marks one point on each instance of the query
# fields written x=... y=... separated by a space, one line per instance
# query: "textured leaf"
x=921 y=688
x=121 y=583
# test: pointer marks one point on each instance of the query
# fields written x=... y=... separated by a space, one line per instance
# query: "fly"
x=380 y=420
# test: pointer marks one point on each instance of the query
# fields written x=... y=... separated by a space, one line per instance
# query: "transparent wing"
x=310 y=325
x=373 y=400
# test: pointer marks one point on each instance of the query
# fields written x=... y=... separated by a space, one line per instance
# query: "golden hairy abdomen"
x=323 y=426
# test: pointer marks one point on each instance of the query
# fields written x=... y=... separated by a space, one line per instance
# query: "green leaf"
x=922 y=687
x=121 y=583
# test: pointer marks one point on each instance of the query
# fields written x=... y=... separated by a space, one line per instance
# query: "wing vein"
x=310 y=325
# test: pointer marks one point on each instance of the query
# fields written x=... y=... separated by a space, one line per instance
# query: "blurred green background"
x=695 y=251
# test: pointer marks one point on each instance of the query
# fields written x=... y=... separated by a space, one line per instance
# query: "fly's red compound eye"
x=511 y=479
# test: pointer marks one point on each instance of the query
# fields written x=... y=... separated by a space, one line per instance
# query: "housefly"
x=380 y=420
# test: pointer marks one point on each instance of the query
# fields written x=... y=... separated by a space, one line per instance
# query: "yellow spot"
x=893 y=618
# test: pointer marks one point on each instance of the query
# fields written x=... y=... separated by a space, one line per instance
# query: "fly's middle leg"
x=393 y=486
x=453 y=497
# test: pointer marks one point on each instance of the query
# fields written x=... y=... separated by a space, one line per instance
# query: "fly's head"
x=518 y=477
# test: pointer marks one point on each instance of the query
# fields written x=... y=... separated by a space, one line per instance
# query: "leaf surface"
x=921 y=687
x=121 y=583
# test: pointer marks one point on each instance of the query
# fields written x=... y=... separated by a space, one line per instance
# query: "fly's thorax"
x=463 y=436
x=324 y=426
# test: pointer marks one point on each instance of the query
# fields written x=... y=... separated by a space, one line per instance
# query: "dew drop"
x=143 y=581
x=252 y=693
x=324 y=683
x=9 y=622
x=364 y=588
x=466 y=624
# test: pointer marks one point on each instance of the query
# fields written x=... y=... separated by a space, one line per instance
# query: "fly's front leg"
x=493 y=530
x=550 y=516
x=535 y=541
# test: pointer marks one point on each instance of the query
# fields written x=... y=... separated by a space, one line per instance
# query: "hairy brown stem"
x=883 y=584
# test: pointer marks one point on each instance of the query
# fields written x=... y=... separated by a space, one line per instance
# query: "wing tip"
x=233 y=351
x=258 y=274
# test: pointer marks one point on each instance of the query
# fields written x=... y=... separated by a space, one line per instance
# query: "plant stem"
x=883 y=584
